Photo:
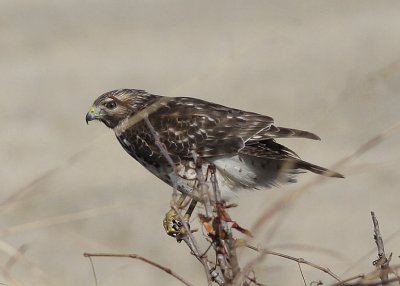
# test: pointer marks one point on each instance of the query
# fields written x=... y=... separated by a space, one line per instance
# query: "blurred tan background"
x=330 y=67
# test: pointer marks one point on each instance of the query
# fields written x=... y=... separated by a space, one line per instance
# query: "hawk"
x=240 y=144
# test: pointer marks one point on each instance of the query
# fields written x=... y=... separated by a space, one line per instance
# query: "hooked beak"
x=93 y=114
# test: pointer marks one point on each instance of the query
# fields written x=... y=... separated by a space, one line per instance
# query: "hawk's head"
x=114 y=106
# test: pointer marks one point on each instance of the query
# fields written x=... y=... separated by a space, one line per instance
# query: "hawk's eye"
x=110 y=105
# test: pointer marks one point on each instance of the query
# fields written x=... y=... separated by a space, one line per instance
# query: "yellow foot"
x=174 y=226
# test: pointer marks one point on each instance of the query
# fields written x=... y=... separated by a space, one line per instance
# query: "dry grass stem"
x=29 y=187
x=62 y=219
x=293 y=196
x=18 y=256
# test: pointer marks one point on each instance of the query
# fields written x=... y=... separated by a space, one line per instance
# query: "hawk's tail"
x=317 y=169
x=283 y=132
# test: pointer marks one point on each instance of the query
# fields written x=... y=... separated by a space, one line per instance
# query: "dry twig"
x=343 y=282
x=189 y=239
x=298 y=260
x=135 y=256
x=376 y=283
x=382 y=262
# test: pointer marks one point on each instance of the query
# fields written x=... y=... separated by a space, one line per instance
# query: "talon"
x=174 y=226
x=172 y=222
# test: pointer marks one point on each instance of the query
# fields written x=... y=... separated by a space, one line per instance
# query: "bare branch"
x=382 y=262
x=203 y=187
x=189 y=239
x=376 y=283
x=343 y=282
x=310 y=248
x=298 y=260
x=195 y=250
x=372 y=251
x=243 y=275
x=135 y=256
x=378 y=237
x=227 y=241
x=164 y=152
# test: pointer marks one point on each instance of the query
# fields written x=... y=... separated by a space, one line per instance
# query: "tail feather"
x=283 y=132
x=290 y=132
x=318 y=169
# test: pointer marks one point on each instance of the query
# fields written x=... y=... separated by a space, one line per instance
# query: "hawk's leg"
x=173 y=224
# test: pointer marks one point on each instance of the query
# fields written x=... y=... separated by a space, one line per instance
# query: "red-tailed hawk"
x=242 y=145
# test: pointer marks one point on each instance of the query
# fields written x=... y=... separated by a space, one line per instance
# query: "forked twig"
x=298 y=260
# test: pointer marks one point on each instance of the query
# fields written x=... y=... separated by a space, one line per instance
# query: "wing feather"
x=187 y=124
x=208 y=128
